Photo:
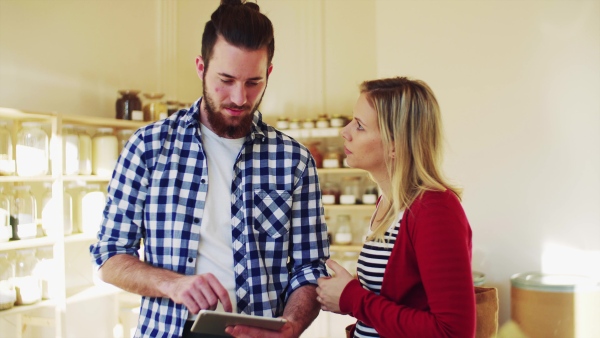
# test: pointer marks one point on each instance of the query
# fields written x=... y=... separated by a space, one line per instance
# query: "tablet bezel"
x=215 y=322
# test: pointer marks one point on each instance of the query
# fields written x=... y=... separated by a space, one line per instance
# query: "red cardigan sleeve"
x=427 y=288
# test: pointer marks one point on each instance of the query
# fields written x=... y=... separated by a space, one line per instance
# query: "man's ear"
x=269 y=70
x=200 y=66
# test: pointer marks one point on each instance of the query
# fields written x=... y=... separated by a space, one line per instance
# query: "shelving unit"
x=74 y=280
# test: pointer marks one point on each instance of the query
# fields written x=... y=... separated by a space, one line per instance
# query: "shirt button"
x=196 y=219
x=203 y=181
x=190 y=259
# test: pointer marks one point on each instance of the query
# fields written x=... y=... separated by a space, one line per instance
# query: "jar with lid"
x=6 y=232
x=154 y=108
x=7 y=163
x=27 y=285
x=294 y=124
x=123 y=136
x=85 y=151
x=32 y=150
x=332 y=158
x=308 y=124
x=50 y=211
x=44 y=271
x=343 y=235
x=92 y=206
x=70 y=150
x=338 y=121
x=330 y=193
x=129 y=106
x=8 y=295
x=351 y=193
x=322 y=121
x=370 y=194
x=25 y=212
x=282 y=123
x=104 y=152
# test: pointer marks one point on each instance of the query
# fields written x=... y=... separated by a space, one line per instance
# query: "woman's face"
x=362 y=140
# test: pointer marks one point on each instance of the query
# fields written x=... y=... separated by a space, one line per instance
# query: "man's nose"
x=238 y=95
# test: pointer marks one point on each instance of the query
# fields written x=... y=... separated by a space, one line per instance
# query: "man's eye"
x=252 y=84
x=226 y=81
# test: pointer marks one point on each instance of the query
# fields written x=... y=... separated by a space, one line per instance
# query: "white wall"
x=519 y=85
x=518 y=82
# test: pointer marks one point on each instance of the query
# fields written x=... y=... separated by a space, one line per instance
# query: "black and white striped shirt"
x=372 y=261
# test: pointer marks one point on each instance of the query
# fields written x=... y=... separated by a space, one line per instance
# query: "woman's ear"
x=392 y=151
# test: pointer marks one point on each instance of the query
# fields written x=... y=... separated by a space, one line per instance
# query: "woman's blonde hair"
x=410 y=125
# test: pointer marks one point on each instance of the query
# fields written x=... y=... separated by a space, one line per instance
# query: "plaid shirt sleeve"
x=121 y=228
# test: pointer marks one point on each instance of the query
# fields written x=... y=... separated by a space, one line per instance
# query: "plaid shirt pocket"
x=272 y=212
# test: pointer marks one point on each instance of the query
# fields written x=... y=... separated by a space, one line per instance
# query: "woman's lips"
x=346 y=151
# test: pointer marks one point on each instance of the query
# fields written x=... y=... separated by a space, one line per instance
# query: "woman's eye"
x=359 y=126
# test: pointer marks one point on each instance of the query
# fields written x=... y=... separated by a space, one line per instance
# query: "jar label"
x=341 y=238
x=26 y=230
x=137 y=115
x=369 y=198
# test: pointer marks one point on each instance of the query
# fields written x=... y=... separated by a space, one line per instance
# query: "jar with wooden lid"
x=129 y=105
x=332 y=158
x=154 y=109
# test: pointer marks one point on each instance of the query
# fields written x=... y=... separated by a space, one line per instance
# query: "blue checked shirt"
x=157 y=193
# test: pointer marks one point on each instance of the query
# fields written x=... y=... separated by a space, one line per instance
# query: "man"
x=229 y=209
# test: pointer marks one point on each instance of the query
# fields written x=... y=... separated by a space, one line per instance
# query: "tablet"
x=213 y=322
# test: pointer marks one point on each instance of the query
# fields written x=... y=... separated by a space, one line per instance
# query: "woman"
x=414 y=271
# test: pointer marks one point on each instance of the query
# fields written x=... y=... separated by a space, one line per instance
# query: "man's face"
x=233 y=86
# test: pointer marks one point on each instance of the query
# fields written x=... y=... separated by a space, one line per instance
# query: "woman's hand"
x=330 y=288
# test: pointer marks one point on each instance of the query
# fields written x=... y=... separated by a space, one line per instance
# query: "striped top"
x=372 y=261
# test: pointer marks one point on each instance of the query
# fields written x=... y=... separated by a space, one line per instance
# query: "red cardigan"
x=427 y=288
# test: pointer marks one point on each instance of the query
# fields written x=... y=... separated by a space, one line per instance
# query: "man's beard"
x=240 y=127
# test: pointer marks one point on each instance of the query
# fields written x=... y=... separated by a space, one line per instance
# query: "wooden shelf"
x=86 y=178
x=19 y=309
x=26 y=243
x=26 y=179
x=312 y=133
x=17 y=114
x=345 y=248
x=92 y=121
x=353 y=207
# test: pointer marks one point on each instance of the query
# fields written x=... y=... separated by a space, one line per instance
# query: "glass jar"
x=282 y=123
x=308 y=124
x=338 y=121
x=370 y=194
x=343 y=235
x=85 y=151
x=330 y=193
x=6 y=232
x=154 y=109
x=70 y=150
x=332 y=158
x=32 y=150
x=92 y=207
x=294 y=124
x=50 y=210
x=44 y=271
x=7 y=163
x=123 y=136
x=8 y=295
x=322 y=121
x=351 y=193
x=27 y=285
x=25 y=212
x=172 y=107
x=129 y=106
x=104 y=152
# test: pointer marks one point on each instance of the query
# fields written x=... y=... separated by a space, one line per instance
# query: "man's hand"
x=330 y=288
x=199 y=292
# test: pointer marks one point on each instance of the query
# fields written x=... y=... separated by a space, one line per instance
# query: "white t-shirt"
x=215 y=254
